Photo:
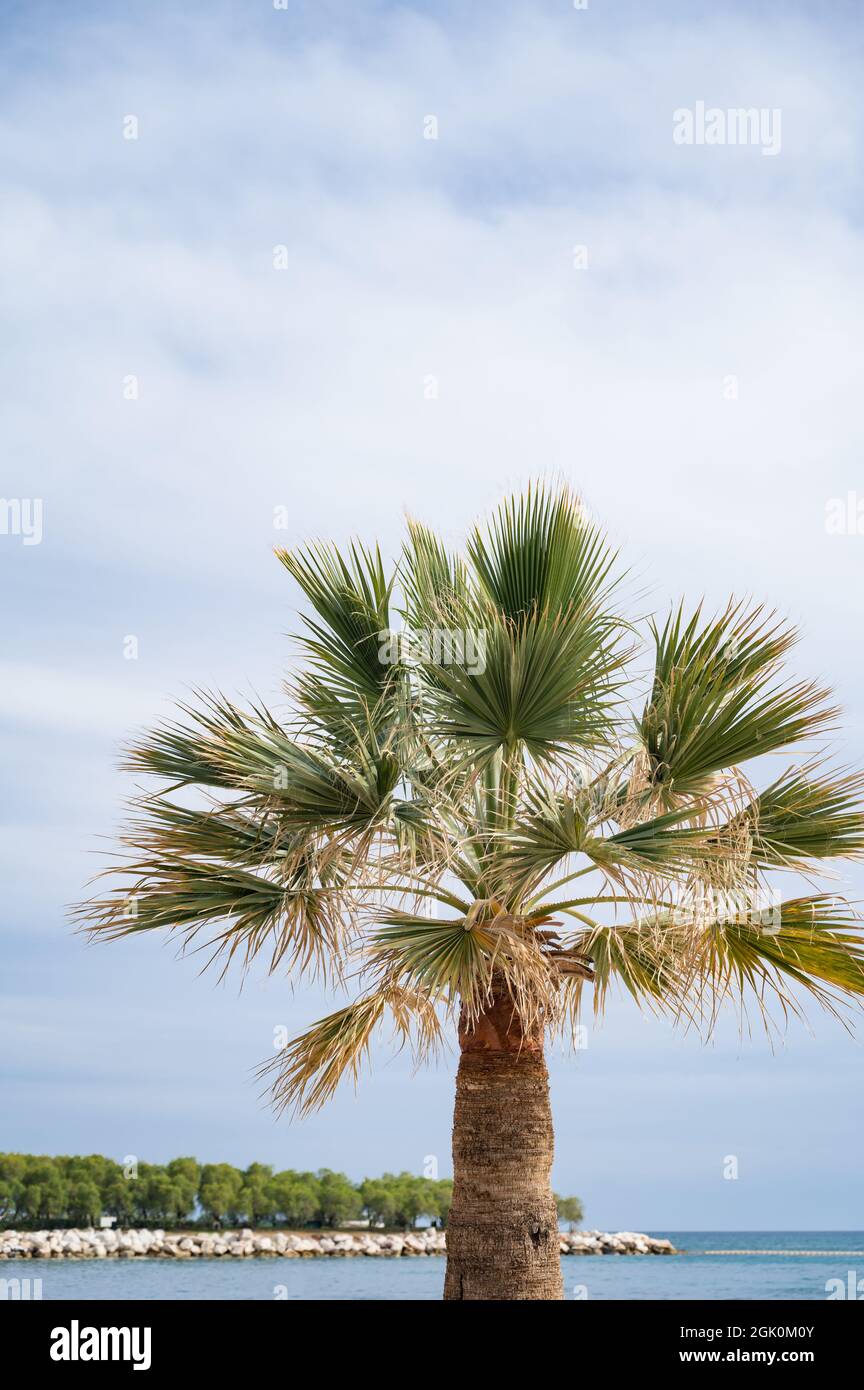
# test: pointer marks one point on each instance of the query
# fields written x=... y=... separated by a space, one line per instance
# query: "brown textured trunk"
x=502 y=1231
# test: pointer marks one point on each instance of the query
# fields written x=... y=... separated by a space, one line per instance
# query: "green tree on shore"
x=296 y=1197
x=400 y=1200
x=570 y=1209
x=338 y=1199
x=221 y=1193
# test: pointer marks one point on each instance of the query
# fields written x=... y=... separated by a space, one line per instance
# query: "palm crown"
x=419 y=821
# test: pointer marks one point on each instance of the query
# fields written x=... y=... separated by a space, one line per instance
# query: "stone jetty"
x=179 y=1245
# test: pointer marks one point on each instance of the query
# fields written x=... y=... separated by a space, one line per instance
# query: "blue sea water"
x=695 y=1273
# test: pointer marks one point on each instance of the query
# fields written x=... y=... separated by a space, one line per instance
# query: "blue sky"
x=304 y=388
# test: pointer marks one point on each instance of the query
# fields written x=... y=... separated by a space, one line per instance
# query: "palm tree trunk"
x=502 y=1231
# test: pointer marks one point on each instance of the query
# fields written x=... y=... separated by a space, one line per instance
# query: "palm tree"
x=464 y=820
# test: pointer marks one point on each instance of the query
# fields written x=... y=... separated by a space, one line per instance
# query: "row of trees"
x=42 y=1191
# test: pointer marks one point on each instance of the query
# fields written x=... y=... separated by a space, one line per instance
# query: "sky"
x=242 y=286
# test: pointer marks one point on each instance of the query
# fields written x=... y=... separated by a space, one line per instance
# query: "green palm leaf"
x=540 y=552
x=662 y=845
x=716 y=701
x=311 y=788
x=294 y=920
x=813 y=943
x=548 y=684
x=802 y=817
x=241 y=835
x=644 y=962
x=448 y=958
x=549 y=828
x=351 y=598
x=435 y=582
x=188 y=754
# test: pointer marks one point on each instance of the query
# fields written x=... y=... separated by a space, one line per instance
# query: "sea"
x=753 y=1265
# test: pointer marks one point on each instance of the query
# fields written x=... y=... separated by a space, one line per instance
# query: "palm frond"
x=449 y=958
x=541 y=552
x=814 y=944
x=246 y=835
x=308 y=1070
x=548 y=683
x=803 y=816
x=310 y=787
x=663 y=845
x=647 y=963
x=298 y=920
x=306 y=1073
x=188 y=754
x=351 y=597
x=716 y=701
x=551 y=826
x=435 y=582
x=462 y=958
x=559 y=825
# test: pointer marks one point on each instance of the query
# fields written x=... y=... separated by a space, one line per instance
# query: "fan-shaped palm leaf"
x=716 y=702
x=540 y=552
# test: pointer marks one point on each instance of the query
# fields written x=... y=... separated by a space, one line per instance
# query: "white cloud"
x=452 y=258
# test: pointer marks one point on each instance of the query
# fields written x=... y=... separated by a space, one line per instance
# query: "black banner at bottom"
x=155 y=1338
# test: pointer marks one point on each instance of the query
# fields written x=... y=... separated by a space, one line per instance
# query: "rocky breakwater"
x=245 y=1244
x=619 y=1243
